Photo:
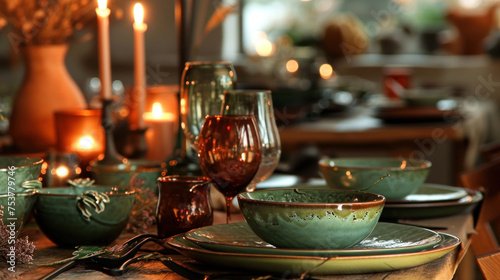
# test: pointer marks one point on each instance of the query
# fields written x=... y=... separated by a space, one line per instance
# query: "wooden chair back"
x=486 y=178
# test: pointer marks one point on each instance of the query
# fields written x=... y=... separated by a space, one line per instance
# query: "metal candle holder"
x=138 y=142
x=111 y=156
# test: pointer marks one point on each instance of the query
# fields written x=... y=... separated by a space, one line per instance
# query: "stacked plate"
x=389 y=247
x=429 y=201
x=432 y=201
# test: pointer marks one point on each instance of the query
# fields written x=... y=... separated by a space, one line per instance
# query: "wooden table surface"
x=442 y=268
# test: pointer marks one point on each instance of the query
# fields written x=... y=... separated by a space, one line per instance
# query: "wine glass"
x=230 y=153
x=259 y=103
x=202 y=86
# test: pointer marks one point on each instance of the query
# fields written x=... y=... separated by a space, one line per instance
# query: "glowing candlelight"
x=104 y=48
x=140 y=64
x=86 y=143
x=157 y=110
x=62 y=171
x=160 y=133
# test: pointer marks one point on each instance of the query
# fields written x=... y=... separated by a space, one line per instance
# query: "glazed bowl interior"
x=311 y=218
x=401 y=177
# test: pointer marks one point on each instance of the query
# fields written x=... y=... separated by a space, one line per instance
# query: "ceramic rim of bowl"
x=24 y=193
x=37 y=161
x=154 y=166
x=114 y=194
x=419 y=164
x=379 y=199
x=208 y=63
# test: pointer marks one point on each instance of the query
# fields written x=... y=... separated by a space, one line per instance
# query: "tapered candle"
x=139 y=62
x=103 y=48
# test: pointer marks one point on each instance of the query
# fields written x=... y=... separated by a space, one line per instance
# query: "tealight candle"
x=160 y=134
x=80 y=132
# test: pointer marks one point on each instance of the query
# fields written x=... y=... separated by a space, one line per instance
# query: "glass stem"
x=229 y=201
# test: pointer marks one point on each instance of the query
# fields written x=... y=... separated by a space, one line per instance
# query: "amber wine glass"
x=230 y=153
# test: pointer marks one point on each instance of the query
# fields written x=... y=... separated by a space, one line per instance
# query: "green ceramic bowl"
x=58 y=212
x=311 y=218
x=17 y=205
x=360 y=173
x=18 y=170
x=143 y=172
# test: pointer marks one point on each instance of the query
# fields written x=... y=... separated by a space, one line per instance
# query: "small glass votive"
x=58 y=168
x=80 y=132
x=183 y=204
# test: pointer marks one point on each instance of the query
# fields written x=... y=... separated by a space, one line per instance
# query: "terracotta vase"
x=47 y=87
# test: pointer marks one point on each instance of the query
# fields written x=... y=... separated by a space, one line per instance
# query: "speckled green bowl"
x=58 y=215
x=142 y=173
x=18 y=206
x=26 y=169
x=359 y=173
x=311 y=218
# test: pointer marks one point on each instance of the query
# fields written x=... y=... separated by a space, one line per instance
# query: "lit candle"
x=161 y=133
x=139 y=62
x=85 y=143
x=87 y=148
x=103 y=48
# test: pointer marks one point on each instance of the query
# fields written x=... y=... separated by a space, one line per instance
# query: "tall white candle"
x=139 y=63
x=103 y=48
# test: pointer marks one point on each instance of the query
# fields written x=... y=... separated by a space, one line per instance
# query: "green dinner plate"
x=427 y=192
x=280 y=264
x=433 y=193
x=386 y=238
x=429 y=210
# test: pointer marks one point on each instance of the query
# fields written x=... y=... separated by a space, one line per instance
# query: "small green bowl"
x=17 y=208
x=311 y=218
x=406 y=176
x=58 y=214
x=18 y=170
x=146 y=172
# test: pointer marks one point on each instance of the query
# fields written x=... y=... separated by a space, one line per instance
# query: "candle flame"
x=62 y=171
x=138 y=14
x=157 y=110
x=102 y=4
x=86 y=142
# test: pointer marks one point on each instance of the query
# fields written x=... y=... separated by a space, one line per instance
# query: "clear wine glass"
x=258 y=103
x=202 y=86
x=230 y=153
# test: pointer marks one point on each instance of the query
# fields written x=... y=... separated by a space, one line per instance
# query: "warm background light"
x=264 y=47
x=470 y=4
x=138 y=14
x=326 y=71
x=86 y=143
x=62 y=171
x=292 y=66
x=157 y=110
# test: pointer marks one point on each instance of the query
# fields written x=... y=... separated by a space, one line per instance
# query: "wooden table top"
x=442 y=268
